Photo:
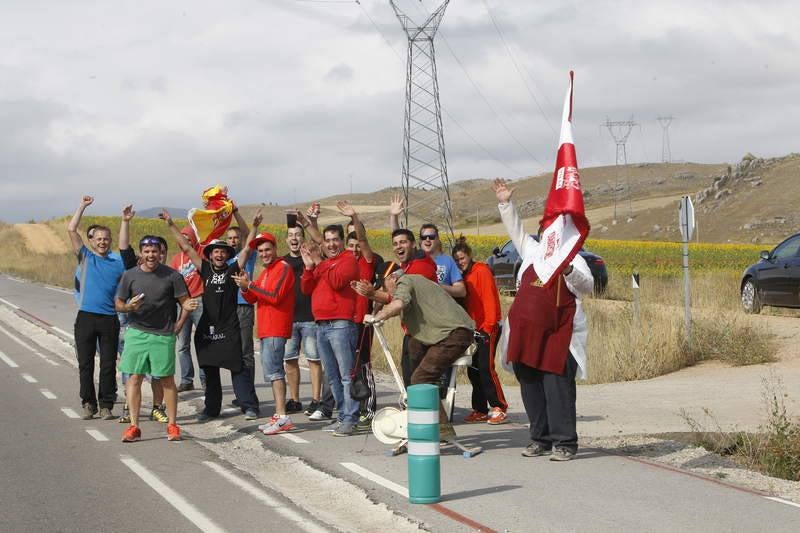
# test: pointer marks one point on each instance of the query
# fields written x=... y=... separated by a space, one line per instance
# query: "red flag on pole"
x=564 y=224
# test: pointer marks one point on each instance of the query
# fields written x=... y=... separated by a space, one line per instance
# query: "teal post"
x=424 y=470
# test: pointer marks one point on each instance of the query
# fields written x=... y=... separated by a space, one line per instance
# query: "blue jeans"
x=272 y=350
x=336 y=343
x=184 y=347
x=304 y=335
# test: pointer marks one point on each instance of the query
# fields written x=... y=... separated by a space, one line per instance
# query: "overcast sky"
x=151 y=101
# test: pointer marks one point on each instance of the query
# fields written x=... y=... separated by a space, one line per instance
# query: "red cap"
x=261 y=238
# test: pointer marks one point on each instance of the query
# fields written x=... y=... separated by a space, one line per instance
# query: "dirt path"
x=41 y=239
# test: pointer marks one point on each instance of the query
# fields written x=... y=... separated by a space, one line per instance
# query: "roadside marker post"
x=687 y=225
x=635 y=288
x=424 y=467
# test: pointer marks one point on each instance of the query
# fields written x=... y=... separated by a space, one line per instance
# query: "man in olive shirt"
x=439 y=329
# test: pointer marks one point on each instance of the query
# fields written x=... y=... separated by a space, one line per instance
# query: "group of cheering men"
x=319 y=299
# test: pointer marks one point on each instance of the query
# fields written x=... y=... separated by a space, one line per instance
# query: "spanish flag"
x=212 y=221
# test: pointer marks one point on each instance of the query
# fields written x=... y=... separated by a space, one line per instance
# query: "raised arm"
x=244 y=254
x=361 y=232
x=240 y=221
x=124 y=227
x=194 y=257
x=72 y=228
x=396 y=206
x=310 y=227
x=508 y=214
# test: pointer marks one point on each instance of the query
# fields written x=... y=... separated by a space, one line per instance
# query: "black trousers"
x=549 y=401
x=241 y=389
x=93 y=330
x=370 y=405
x=486 y=387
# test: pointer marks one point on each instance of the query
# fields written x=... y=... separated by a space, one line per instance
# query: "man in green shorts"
x=148 y=293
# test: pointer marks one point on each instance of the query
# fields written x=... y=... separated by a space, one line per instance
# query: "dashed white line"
x=781 y=500
x=29 y=378
x=58 y=289
x=97 y=435
x=17 y=339
x=293 y=438
x=47 y=394
x=7 y=360
x=70 y=413
x=12 y=306
x=65 y=333
x=170 y=496
x=382 y=481
x=262 y=496
x=43 y=356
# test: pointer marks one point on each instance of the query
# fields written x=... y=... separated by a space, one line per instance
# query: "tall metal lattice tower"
x=424 y=161
x=620 y=130
x=666 y=152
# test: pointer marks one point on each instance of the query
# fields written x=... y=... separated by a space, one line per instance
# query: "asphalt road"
x=58 y=477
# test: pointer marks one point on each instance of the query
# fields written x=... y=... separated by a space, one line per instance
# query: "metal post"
x=424 y=468
x=687 y=294
x=635 y=288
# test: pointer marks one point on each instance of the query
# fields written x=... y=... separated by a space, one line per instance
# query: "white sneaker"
x=319 y=415
x=281 y=424
x=272 y=420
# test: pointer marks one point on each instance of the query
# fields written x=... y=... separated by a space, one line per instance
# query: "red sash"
x=540 y=320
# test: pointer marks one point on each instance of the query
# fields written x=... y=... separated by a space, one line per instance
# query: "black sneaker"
x=313 y=405
x=293 y=406
x=185 y=387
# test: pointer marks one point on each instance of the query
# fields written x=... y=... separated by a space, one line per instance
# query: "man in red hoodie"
x=333 y=304
x=273 y=291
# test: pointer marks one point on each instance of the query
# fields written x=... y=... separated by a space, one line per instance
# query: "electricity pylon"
x=424 y=160
x=666 y=152
x=620 y=130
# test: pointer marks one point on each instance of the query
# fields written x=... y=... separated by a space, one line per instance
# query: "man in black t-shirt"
x=304 y=335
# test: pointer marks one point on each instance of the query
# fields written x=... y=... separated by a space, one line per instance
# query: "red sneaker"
x=131 y=434
x=497 y=416
x=476 y=416
x=173 y=432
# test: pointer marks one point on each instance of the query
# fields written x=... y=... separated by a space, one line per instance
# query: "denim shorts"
x=272 y=350
x=304 y=334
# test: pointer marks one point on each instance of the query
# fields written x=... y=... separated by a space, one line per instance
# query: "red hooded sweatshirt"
x=332 y=298
x=273 y=291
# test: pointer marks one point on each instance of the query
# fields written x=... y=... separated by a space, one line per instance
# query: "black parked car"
x=775 y=279
x=505 y=262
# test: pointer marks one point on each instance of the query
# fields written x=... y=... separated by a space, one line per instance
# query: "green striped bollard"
x=424 y=471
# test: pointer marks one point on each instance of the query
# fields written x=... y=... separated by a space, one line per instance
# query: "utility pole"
x=666 y=152
x=424 y=161
x=620 y=130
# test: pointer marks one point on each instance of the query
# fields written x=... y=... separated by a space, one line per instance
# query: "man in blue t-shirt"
x=447 y=273
x=96 y=323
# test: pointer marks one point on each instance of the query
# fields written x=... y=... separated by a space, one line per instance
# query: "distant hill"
x=152 y=212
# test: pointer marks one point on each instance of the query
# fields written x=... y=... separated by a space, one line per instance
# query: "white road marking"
x=229 y=411
x=17 y=339
x=293 y=438
x=12 y=306
x=262 y=496
x=18 y=280
x=382 y=481
x=69 y=412
x=7 y=360
x=180 y=503
x=97 y=435
x=29 y=378
x=47 y=394
x=65 y=333
x=781 y=500
x=43 y=356
x=58 y=289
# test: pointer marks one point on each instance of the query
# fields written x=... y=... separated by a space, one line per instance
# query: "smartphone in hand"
x=291 y=219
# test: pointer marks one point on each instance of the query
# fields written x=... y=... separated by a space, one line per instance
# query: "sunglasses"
x=429 y=237
x=149 y=241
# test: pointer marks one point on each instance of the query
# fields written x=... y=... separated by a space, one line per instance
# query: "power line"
x=487 y=102
x=516 y=66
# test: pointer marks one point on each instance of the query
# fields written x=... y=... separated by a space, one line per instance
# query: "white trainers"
x=272 y=420
x=280 y=424
x=319 y=415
